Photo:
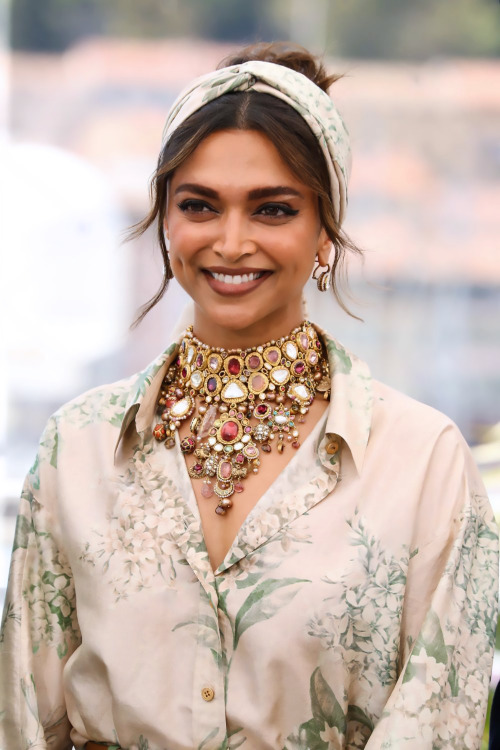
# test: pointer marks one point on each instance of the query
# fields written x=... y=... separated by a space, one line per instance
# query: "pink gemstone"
x=199 y=360
x=238 y=487
x=239 y=458
x=207 y=490
x=212 y=363
x=232 y=413
x=273 y=356
x=220 y=510
x=225 y=470
x=198 y=468
x=239 y=415
x=312 y=357
x=211 y=385
x=233 y=367
x=248 y=429
x=266 y=448
x=229 y=431
x=253 y=362
x=299 y=368
x=251 y=451
x=184 y=372
x=258 y=382
x=304 y=341
x=295 y=444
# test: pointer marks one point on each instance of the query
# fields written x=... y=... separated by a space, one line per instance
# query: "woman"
x=343 y=593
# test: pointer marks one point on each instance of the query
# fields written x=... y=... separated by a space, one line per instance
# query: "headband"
x=311 y=102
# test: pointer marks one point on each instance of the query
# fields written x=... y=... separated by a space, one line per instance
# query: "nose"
x=233 y=238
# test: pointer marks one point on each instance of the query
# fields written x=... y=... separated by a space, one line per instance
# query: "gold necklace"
x=240 y=402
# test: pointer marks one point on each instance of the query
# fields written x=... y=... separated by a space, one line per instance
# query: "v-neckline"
x=265 y=502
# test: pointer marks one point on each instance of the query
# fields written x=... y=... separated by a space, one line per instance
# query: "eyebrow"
x=264 y=192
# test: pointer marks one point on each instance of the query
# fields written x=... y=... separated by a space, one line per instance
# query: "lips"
x=228 y=282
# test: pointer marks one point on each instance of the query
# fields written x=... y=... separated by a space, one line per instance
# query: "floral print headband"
x=313 y=104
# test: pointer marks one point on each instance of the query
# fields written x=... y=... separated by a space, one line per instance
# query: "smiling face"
x=244 y=233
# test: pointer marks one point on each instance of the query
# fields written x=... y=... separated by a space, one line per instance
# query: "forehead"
x=236 y=158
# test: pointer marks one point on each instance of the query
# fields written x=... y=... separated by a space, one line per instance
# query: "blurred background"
x=84 y=90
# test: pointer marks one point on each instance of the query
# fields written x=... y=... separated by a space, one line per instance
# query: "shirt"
x=356 y=607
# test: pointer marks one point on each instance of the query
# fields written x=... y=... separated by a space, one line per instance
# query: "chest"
x=220 y=531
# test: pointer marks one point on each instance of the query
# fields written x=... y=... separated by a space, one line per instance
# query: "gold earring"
x=323 y=280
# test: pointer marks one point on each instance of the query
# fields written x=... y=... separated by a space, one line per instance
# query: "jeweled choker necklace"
x=241 y=402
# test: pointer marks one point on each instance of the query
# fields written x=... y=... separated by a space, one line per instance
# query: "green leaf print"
x=22 y=533
x=431 y=638
x=309 y=736
x=209 y=737
x=325 y=707
x=266 y=599
x=53 y=456
x=343 y=361
x=354 y=713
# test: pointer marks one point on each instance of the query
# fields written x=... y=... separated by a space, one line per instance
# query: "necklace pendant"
x=207 y=489
x=224 y=489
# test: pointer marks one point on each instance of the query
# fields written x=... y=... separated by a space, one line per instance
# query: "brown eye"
x=191 y=205
x=276 y=210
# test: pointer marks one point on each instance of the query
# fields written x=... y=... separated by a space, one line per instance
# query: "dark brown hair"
x=285 y=128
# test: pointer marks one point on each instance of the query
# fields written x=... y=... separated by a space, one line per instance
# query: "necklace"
x=240 y=403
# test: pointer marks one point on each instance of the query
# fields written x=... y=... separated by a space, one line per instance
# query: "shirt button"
x=332 y=447
x=207 y=694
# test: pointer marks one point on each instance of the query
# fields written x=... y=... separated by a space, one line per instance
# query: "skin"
x=219 y=218
x=216 y=220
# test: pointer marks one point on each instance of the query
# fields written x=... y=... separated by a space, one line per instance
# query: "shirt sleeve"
x=39 y=627
x=450 y=613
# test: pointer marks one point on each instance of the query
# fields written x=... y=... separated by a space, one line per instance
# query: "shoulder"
x=403 y=415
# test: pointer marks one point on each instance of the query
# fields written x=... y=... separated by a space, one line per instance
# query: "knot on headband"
x=312 y=103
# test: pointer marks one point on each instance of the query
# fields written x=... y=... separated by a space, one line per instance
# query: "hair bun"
x=288 y=54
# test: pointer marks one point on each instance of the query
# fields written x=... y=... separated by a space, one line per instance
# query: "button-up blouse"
x=355 y=608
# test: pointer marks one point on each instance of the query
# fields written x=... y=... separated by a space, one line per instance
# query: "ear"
x=324 y=248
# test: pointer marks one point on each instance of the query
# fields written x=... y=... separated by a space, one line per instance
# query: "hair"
x=285 y=128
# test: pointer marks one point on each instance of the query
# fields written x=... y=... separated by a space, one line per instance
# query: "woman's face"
x=244 y=233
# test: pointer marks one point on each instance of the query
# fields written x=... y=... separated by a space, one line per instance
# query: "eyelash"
x=191 y=205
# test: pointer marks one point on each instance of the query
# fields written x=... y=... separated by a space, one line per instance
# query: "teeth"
x=227 y=279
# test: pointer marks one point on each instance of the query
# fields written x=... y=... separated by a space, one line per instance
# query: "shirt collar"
x=349 y=414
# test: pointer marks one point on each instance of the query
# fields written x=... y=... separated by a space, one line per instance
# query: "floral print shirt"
x=356 y=607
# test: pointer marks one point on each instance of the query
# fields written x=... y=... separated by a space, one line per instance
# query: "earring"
x=323 y=280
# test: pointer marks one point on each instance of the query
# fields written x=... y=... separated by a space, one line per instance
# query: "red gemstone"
x=199 y=360
x=211 y=384
x=229 y=431
x=184 y=372
x=233 y=366
x=170 y=402
x=160 y=432
x=198 y=468
x=299 y=368
x=261 y=409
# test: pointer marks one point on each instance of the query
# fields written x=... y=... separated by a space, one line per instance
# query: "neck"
x=245 y=336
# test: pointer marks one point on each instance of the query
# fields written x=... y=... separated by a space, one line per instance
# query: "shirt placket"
x=208 y=700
